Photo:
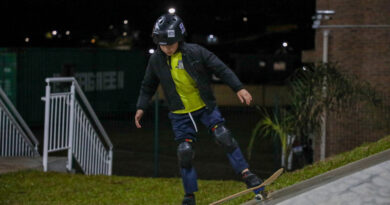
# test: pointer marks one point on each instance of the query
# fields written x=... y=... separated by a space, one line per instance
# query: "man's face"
x=169 y=49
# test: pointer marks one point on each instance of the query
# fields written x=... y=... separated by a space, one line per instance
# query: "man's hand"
x=138 y=116
x=244 y=96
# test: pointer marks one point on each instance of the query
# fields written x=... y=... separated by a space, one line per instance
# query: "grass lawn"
x=34 y=187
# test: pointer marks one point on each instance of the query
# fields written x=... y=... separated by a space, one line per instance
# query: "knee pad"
x=224 y=137
x=185 y=154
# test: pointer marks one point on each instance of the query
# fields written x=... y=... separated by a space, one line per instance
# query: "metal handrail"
x=77 y=141
x=19 y=121
x=86 y=103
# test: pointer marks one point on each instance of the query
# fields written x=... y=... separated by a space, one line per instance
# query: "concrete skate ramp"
x=366 y=181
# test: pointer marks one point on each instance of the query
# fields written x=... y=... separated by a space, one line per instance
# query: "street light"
x=171 y=10
x=212 y=39
x=322 y=15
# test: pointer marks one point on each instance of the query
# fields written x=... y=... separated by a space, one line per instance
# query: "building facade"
x=356 y=37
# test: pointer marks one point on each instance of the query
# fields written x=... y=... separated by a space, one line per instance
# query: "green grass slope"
x=331 y=163
x=35 y=187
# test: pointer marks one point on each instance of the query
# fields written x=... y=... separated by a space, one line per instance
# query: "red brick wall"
x=362 y=51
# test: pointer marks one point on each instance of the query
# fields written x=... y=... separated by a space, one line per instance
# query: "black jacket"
x=200 y=65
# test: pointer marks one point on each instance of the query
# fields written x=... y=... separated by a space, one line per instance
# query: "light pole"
x=323 y=15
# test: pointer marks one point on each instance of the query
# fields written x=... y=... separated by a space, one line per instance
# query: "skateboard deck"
x=268 y=181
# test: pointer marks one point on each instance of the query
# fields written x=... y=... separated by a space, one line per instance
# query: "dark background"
x=269 y=24
x=84 y=19
x=241 y=45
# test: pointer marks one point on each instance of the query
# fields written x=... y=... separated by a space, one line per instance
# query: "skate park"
x=70 y=110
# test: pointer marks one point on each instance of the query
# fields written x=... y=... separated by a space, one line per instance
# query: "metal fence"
x=357 y=125
x=16 y=139
x=69 y=127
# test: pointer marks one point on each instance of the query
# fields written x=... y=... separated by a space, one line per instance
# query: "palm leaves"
x=277 y=124
x=315 y=90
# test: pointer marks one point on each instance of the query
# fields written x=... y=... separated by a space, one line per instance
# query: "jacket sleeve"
x=221 y=70
x=148 y=87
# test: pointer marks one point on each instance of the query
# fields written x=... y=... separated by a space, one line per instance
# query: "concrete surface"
x=366 y=181
x=13 y=164
x=369 y=186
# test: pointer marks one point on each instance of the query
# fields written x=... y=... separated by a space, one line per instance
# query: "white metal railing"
x=16 y=138
x=68 y=127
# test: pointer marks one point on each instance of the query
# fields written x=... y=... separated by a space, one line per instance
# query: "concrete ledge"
x=296 y=189
x=14 y=164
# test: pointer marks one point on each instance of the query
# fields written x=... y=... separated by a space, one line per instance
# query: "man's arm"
x=148 y=88
x=226 y=74
x=220 y=69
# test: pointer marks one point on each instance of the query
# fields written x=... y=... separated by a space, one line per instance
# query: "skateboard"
x=267 y=182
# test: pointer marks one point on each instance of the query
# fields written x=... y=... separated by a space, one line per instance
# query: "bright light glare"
x=212 y=39
x=27 y=39
x=124 y=34
x=245 y=19
x=171 y=10
x=54 y=32
x=285 y=44
x=67 y=33
x=151 y=51
x=125 y=21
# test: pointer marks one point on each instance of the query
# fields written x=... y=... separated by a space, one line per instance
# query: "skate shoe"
x=251 y=180
x=189 y=200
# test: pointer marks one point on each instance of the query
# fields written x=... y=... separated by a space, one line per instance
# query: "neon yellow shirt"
x=185 y=86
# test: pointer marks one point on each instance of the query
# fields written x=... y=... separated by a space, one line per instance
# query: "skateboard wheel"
x=259 y=197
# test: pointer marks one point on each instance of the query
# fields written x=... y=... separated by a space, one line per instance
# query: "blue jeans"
x=184 y=127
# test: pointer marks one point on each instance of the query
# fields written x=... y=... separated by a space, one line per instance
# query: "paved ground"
x=12 y=164
x=369 y=186
x=366 y=181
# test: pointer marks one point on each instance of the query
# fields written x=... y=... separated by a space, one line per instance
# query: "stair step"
x=13 y=164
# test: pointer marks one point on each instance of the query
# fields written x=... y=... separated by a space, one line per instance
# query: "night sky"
x=269 y=22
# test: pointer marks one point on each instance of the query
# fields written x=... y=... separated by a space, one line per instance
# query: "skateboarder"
x=184 y=71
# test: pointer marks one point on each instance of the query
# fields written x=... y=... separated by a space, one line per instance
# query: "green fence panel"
x=109 y=78
x=8 y=74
